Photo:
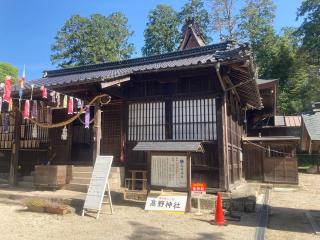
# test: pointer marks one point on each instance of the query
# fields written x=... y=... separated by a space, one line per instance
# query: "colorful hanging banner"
x=0 y=104
x=7 y=89
x=70 y=106
x=58 y=99
x=23 y=78
x=34 y=131
x=32 y=87
x=53 y=96
x=65 y=101
x=44 y=92
x=10 y=107
x=21 y=93
x=21 y=82
x=5 y=123
x=34 y=111
x=87 y=117
x=79 y=104
x=26 y=112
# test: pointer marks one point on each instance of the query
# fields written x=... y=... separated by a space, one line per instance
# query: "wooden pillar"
x=15 y=150
x=189 y=179
x=221 y=141
x=123 y=124
x=226 y=145
x=96 y=131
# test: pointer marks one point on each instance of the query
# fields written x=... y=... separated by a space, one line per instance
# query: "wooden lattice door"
x=111 y=131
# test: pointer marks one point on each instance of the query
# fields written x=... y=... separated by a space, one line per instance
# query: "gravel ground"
x=288 y=206
x=287 y=221
x=128 y=222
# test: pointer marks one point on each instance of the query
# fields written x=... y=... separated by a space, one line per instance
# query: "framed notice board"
x=169 y=171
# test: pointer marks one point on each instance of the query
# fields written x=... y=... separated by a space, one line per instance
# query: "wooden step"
x=27 y=179
x=81 y=174
x=80 y=180
x=26 y=184
x=77 y=187
x=82 y=169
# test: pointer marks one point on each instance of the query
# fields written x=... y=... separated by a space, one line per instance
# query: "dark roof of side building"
x=287 y=121
x=263 y=81
x=312 y=124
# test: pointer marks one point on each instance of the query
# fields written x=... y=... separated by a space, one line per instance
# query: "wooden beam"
x=115 y=82
x=238 y=85
x=243 y=70
x=15 y=149
x=217 y=67
x=234 y=90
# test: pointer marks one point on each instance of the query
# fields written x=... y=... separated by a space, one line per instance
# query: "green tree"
x=195 y=9
x=284 y=54
x=7 y=69
x=224 y=20
x=161 y=34
x=256 y=26
x=256 y=21
x=92 y=40
x=302 y=87
x=310 y=28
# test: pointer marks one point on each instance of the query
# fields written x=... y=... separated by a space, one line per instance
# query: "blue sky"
x=28 y=27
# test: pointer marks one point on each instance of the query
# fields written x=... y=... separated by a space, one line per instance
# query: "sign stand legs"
x=98 y=184
x=110 y=202
x=199 y=213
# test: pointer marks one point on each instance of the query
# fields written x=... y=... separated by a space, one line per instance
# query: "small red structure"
x=219 y=215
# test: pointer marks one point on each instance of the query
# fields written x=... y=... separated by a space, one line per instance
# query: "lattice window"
x=194 y=119
x=146 y=121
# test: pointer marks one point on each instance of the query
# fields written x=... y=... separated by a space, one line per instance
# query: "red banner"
x=7 y=89
x=198 y=188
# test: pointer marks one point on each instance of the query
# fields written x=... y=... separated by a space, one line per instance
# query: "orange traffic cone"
x=219 y=215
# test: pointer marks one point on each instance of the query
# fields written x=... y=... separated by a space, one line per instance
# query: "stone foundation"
x=116 y=178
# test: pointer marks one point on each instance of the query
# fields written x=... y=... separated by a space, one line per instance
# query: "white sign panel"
x=168 y=202
x=169 y=171
x=98 y=182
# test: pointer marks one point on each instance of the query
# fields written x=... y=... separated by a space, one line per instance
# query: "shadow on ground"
x=291 y=220
x=145 y=232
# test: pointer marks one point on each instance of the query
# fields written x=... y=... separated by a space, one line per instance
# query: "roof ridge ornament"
x=192 y=35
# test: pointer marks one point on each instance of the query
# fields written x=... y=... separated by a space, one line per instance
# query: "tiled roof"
x=287 y=121
x=312 y=124
x=263 y=81
x=104 y=71
x=222 y=53
x=292 y=121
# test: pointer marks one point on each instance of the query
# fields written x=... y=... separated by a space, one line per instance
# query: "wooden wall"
x=169 y=88
x=234 y=136
x=59 y=148
x=112 y=122
x=271 y=166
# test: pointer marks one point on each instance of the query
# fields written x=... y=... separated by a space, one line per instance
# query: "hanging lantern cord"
x=72 y=119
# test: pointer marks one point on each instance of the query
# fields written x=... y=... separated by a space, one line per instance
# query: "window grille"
x=146 y=121
x=194 y=119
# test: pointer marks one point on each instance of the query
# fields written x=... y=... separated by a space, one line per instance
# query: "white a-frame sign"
x=98 y=184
